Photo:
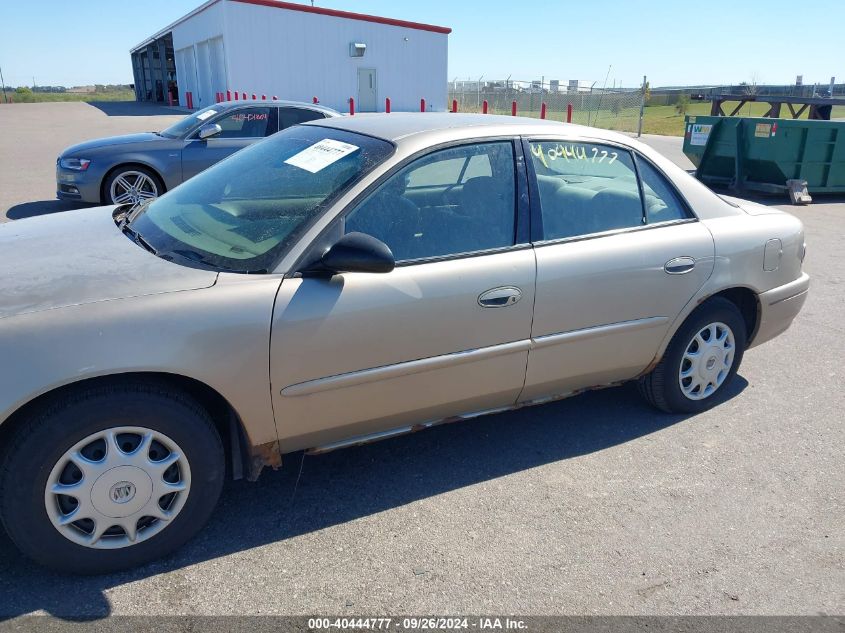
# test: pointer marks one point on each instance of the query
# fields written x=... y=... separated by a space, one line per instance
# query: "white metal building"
x=296 y=52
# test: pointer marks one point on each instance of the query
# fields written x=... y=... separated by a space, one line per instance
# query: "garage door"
x=186 y=73
x=211 y=71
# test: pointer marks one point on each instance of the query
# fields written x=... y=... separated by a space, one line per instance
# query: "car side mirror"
x=209 y=129
x=356 y=253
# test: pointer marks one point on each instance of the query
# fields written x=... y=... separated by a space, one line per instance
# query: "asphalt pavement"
x=593 y=505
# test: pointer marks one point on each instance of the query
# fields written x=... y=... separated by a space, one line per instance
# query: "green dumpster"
x=768 y=155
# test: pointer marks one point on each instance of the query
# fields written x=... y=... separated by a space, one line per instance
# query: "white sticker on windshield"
x=321 y=155
x=202 y=116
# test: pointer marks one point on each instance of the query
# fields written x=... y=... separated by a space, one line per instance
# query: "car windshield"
x=243 y=212
x=179 y=128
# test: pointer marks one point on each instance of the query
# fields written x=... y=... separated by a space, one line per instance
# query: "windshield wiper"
x=198 y=258
x=137 y=237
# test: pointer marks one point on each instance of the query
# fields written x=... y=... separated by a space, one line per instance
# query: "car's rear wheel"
x=110 y=478
x=702 y=358
x=132 y=185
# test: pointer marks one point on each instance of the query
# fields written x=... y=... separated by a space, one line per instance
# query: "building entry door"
x=367 y=89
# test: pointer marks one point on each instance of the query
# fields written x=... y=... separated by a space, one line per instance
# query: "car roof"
x=225 y=105
x=443 y=125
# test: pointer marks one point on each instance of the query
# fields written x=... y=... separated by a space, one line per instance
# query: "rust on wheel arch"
x=261 y=455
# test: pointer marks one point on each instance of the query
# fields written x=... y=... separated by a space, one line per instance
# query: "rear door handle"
x=501 y=297
x=679 y=265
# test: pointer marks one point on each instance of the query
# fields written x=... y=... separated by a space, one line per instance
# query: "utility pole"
x=3 y=84
x=642 y=107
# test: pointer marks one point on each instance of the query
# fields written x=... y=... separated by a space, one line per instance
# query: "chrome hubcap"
x=117 y=487
x=133 y=187
x=707 y=361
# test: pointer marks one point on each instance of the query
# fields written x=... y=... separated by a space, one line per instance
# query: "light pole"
x=3 y=84
x=478 y=93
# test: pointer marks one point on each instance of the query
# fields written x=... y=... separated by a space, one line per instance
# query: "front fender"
x=218 y=336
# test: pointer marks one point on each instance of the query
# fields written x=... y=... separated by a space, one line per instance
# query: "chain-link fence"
x=610 y=108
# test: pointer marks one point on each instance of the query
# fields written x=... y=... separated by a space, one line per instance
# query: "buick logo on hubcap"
x=122 y=492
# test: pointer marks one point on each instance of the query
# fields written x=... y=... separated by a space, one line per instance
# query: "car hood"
x=110 y=141
x=78 y=257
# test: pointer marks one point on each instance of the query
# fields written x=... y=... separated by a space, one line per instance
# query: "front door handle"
x=501 y=297
x=679 y=265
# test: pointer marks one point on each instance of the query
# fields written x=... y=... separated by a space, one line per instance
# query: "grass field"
x=663 y=120
x=40 y=97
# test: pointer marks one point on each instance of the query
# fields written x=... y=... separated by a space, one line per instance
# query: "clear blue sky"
x=61 y=42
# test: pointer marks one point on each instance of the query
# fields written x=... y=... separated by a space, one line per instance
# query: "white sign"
x=202 y=116
x=321 y=155
x=700 y=134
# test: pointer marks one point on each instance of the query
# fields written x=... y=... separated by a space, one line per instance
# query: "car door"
x=446 y=333
x=240 y=127
x=619 y=254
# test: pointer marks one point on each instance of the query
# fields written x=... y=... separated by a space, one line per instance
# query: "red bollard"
x=169 y=98
x=228 y=95
x=315 y=100
x=454 y=105
x=189 y=99
x=351 y=106
x=484 y=107
x=243 y=96
x=236 y=95
x=387 y=105
x=569 y=113
x=264 y=97
x=422 y=105
x=275 y=98
x=513 y=108
x=253 y=96
x=543 y=110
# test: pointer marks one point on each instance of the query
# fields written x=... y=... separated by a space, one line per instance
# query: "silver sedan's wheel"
x=707 y=361
x=132 y=187
x=117 y=487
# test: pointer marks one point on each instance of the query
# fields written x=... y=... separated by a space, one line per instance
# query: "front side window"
x=585 y=188
x=243 y=212
x=453 y=201
x=245 y=123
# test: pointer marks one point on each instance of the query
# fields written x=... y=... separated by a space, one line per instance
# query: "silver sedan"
x=348 y=280
x=136 y=167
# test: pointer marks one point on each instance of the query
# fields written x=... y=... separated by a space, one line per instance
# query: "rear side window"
x=585 y=188
x=246 y=123
x=295 y=116
x=662 y=204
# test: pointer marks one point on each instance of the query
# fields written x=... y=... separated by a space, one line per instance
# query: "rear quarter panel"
x=740 y=244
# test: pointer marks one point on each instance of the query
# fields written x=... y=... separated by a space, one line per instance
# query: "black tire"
x=42 y=440
x=661 y=387
x=124 y=169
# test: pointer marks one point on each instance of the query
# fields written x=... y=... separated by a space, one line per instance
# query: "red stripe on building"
x=348 y=15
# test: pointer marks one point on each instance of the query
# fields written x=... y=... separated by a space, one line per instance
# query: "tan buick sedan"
x=348 y=280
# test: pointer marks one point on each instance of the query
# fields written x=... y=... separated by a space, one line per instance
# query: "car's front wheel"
x=110 y=478
x=133 y=185
x=701 y=359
